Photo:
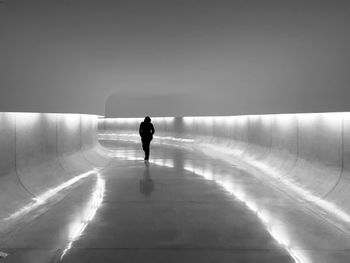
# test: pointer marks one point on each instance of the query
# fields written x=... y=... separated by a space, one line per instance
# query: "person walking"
x=146 y=132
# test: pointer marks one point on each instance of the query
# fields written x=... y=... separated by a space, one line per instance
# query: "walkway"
x=181 y=207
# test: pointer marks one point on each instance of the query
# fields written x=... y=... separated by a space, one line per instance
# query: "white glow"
x=254 y=117
x=166 y=120
x=71 y=121
x=163 y=162
x=284 y=120
x=266 y=119
x=220 y=120
x=127 y=137
x=124 y=120
x=134 y=137
x=95 y=202
x=124 y=155
x=308 y=117
x=333 y=120
x=170 y=138
x=326 y=205
x=43 y=198
x=208 y=121
x=207 y=174
x=271 y=223
x=331 y=208
x=131 y=156
x=241 y=120
x=188 y=120
x=26 y=118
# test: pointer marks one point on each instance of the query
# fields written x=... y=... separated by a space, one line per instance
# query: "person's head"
x=147 y=119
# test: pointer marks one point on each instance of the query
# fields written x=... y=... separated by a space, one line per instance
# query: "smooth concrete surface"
x=182 y=206
x=307 y=152
x=269 y=188
x=40 y=152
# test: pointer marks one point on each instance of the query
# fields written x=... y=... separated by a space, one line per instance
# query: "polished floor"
x=182 y=206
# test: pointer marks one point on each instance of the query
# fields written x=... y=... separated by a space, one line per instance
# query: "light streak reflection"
x=307 y=195
x=163 y=162
x=271 y=223
x=43 y=198
x=94 y=203
x=127 y=155
x=134 y=137
x=284 y=122
x=331 y=208
x=331 y=120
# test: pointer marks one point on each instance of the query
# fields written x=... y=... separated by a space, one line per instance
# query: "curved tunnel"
x=257 y=188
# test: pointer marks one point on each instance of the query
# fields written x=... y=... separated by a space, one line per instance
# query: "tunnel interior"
x=227 y=188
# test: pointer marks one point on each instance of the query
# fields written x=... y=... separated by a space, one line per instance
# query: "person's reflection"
x=146 y=183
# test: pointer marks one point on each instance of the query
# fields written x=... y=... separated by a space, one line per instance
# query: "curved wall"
x=309 y=152
x=40 y=152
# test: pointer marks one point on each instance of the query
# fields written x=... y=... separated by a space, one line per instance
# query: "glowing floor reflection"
x=329 y=207
x=273 y=225
x=77 y=228
x=44 y=197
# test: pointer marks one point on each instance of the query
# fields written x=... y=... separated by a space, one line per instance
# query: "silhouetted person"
x=146 y=132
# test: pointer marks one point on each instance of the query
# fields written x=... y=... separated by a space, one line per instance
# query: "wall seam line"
x=342 y=162
x=16 y=169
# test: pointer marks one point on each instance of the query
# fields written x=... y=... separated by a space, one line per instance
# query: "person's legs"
x=145 y=147
x=147 y=143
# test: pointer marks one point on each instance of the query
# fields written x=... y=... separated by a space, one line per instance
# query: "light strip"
x=270 y=222
x=125 y=155
x=135 y=135
x=163 y=162
x=94 y=203
x=331 y=208
x=170 y=138
x=43 y=198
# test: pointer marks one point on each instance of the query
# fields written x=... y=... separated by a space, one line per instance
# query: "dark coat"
x=146 y=131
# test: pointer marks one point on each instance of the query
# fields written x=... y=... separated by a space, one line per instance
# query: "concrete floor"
x=181 y=207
